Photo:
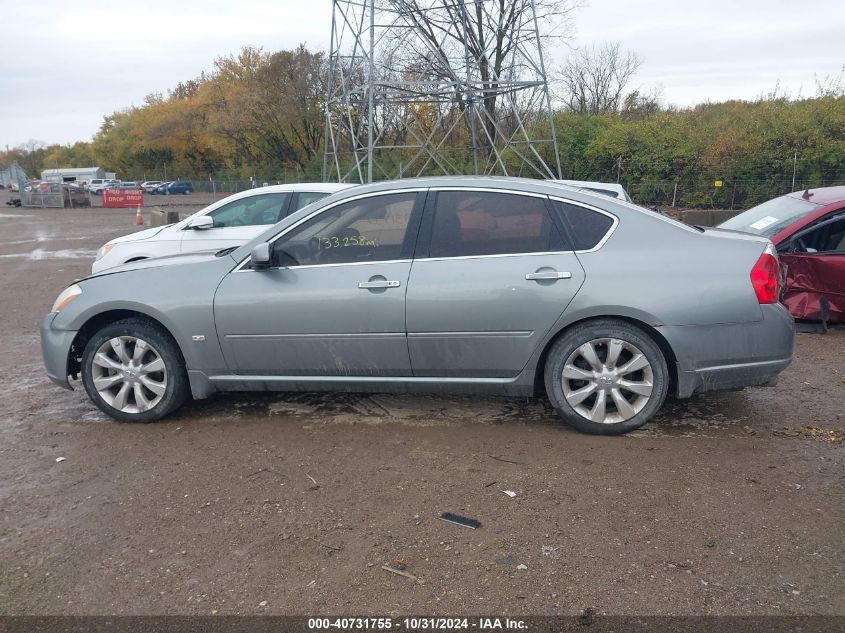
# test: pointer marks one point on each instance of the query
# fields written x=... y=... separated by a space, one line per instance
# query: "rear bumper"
x=727 y=377
x=732 y=356
x=55 y=348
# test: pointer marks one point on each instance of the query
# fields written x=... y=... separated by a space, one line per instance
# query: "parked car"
x=808 y=230
x=160 y=188
x=128 y=185
x=72 y=194
x=464 y=284
x=231 y=221
x=176 y=186
x=75 y=196
x=612 y=189
x=149 y=185
x=97 y=185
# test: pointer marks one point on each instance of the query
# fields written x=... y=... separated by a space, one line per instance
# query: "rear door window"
x=252 y=210
x=588 y=227
x=472 y=223
x=304 y=198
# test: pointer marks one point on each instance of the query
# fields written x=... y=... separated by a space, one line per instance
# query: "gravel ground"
x=727 y=503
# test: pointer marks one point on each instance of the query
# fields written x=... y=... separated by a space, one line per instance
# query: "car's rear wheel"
x=606 y=377
x=134 y=372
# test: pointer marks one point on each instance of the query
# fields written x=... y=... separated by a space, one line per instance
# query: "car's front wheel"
x=606 y=377
x=134 y=372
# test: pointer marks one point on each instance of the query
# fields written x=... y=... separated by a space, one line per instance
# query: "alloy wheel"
x=607 y=380
x=129 y=374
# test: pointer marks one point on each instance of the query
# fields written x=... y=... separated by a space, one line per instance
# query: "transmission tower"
x=437 y=87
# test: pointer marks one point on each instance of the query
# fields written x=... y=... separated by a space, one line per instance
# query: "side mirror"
x=201 y=223
x=260 y=257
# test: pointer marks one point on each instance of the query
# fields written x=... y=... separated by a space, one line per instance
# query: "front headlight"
x=104 y=250
x=68 y=294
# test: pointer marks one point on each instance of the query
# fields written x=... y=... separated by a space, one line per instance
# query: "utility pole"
x=794 y=165
x=371 y=85
x=405 y=78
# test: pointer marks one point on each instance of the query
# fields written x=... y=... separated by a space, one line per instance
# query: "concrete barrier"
x=160 y=217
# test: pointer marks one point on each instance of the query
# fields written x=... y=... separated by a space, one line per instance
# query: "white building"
x=72 y=174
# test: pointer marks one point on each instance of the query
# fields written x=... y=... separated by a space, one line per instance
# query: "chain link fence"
x=700 y=192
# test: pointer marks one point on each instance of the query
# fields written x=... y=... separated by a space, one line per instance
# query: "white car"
x=612 y=189
x=97 y=185
x=149 y=185
x=228 y=222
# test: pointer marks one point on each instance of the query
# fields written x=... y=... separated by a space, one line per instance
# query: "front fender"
x=179 y=297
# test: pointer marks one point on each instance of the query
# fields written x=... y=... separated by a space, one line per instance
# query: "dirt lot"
x=726 y=504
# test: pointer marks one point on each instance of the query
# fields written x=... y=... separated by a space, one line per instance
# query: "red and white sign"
x=123 y=198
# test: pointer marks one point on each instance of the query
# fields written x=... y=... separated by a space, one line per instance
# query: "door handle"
x=381 y=283
x=548 y=274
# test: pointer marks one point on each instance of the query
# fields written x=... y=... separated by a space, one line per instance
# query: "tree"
x=270 y=106
x=30 y=156
x=594 y=79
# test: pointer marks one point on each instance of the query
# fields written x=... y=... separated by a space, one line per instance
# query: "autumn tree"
x=594 y=80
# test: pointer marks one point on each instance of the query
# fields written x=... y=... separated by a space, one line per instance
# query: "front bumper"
x=55 y=349
x=734 y=355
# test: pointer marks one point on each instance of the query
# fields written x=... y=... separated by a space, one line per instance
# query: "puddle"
x=46 y=238
x=40 y=254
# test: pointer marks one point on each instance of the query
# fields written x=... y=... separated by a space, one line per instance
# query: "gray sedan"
x=473 y=285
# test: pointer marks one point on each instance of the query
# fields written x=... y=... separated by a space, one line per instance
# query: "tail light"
x=765 y=277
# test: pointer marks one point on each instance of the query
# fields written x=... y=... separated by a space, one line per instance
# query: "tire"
x=630 y=397
x=146 y=392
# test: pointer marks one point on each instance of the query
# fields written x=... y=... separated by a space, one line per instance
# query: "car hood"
x=140 y=235
x=155 y=262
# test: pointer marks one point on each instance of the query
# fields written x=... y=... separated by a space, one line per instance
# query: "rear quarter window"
x=588 y=227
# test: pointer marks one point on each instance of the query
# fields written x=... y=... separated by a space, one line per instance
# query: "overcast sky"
x=63 y=65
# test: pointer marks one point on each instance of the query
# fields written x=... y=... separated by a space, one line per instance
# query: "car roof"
x=505 y=183
x=329 y=187
x=822 y=195
x=509 y=183
x=594 y=184
x=530 y=185
x=320 y=187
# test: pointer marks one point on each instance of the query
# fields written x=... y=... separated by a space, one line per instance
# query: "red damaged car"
x=808 y=230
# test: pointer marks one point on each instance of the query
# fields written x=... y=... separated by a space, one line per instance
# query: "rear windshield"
x=770 y=218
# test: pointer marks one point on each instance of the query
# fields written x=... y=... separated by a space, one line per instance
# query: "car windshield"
x=770 y=218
